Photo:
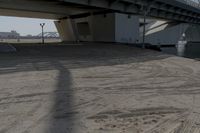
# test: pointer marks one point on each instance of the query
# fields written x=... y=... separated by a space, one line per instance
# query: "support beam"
x=67 y=29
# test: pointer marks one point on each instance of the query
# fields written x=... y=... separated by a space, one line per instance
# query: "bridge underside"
x=86 y=19
x=56 y=9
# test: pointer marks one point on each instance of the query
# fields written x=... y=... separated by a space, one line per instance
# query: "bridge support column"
x=67 y=29
x=110 y=27
x=116 y=27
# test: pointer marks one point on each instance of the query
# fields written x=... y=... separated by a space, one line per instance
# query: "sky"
x=25 y=26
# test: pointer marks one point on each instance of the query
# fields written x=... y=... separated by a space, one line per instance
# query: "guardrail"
x=194 y=3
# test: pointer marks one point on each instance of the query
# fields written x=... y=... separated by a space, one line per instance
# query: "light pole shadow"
x=62 y=113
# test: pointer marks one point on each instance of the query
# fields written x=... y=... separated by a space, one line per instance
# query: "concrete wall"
x=126 y=28
x=88 y=35
x=193 y=33
x=103 y=27
x=166 y=34
x=116 y=27
x=112 y=27
x=161 y=32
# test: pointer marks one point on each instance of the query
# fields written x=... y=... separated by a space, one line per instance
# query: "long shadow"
x=62 y=114
x=62 y=58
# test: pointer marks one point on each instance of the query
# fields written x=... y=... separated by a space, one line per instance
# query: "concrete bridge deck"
x=177 y=10
x=98 y=88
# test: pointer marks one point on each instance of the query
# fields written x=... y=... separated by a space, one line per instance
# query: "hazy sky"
x=25 y=26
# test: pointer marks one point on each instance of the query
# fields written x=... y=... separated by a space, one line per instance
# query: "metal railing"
x=194 y=3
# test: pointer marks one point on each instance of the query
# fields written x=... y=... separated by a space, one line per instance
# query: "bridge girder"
x=58 y=9
x=171 y=9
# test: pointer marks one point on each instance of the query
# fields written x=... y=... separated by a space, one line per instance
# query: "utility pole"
x=42 y=26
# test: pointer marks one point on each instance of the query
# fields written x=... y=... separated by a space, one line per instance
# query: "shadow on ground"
x=73 y=56
x=62 y=117
x=63 y=58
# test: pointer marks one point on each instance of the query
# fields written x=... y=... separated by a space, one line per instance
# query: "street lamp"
x=42 y=26
x=145 y=13
x=144 y=28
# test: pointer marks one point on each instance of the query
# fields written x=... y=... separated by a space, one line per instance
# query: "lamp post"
x=146 y=10
x=144 y=27
x=42 y=26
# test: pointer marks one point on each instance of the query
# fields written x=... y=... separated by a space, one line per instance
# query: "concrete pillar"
x=115 y=27
x=126 y=28
x=103 y=27
x=67 y=29
x=84 y=28
x=111 y=27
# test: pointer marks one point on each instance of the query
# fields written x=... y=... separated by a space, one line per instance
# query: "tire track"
x=169 y=125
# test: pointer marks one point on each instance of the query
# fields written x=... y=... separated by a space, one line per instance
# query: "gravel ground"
x=97 y=89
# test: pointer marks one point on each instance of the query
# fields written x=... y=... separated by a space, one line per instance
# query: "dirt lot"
x=98 y=89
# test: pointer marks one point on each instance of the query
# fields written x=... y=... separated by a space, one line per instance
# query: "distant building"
x=9 y=35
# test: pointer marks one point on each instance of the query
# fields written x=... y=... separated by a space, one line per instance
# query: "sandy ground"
x=98 y=89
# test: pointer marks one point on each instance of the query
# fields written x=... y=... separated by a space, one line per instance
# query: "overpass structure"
x=108 y=20
x=179 y=10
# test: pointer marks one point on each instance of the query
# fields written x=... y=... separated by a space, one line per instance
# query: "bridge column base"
x=67 y=29
x=116 y=27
